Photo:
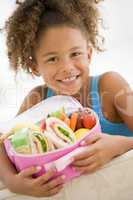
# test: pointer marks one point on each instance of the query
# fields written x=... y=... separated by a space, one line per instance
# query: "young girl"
x=54 y=39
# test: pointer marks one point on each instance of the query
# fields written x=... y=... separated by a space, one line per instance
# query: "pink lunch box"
x=60 y=158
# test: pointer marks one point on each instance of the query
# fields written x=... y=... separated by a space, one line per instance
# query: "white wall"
x=119 y=39
x=118 y=56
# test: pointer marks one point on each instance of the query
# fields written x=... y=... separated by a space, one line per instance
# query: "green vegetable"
x=20 y=138
x=41 y=139
x=58 y=113
x=65 y=132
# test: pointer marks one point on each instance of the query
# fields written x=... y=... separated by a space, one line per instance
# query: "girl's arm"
x=7 y=169
x=103 y=147
x=35 y=96
x=122 y=96
x=22 y=182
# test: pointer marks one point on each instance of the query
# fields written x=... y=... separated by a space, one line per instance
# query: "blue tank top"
x=106 y=125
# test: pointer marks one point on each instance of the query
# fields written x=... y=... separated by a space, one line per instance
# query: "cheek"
x=84 y=65
x=48 y=77
x=45 y=72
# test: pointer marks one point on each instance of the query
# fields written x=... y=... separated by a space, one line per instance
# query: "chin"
x=67 y=90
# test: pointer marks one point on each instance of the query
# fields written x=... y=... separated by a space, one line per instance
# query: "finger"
x=45 y=177
x=89 y=169
x=54 y=191
x=84 y=162
x=29 y=171
x=92 y=168
x=91 y=140
x=90 y=151
x=54 y=183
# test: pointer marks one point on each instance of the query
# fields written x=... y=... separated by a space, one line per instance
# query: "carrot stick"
x=73 y=120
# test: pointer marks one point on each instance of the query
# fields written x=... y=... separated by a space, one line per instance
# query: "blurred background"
x=117 y=15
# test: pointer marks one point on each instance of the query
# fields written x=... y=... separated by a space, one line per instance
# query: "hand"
x=43 y=186
x=101 y=149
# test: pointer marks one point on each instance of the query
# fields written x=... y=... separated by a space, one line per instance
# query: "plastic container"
x=60 y=158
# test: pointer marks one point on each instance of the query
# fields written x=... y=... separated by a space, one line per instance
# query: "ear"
x=35 y=72
x=34 y=69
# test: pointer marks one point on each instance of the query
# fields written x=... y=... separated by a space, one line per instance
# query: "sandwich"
x=60 y=134
x=29 y=140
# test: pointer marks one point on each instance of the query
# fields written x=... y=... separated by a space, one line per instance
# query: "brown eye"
x=75 y=54
x=52 y=60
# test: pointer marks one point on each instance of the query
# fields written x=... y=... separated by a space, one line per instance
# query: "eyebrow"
x=53 y=53
x=49 y=54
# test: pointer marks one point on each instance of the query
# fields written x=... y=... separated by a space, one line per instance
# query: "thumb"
x=30 y=171
x=90 y=140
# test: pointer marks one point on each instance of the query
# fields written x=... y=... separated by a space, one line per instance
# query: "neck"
x=83 y=95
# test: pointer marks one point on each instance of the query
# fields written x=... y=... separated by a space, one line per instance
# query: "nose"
x=67 y=66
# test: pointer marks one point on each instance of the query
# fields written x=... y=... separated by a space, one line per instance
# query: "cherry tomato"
x=89 y=121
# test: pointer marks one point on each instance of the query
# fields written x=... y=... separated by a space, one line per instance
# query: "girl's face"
x=62 y=59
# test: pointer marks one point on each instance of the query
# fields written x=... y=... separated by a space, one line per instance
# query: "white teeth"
x=69 y=79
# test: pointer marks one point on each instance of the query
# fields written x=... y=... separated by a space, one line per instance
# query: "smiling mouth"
x=70 y=79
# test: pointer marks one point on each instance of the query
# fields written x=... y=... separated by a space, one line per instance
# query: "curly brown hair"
x=34 y=16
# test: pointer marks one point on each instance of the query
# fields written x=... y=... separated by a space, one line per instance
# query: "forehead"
x=59 y=37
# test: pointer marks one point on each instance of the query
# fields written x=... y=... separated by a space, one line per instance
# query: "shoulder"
x=120 y=93
x=35 y=96
x=112 y=82
x=114 y=85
